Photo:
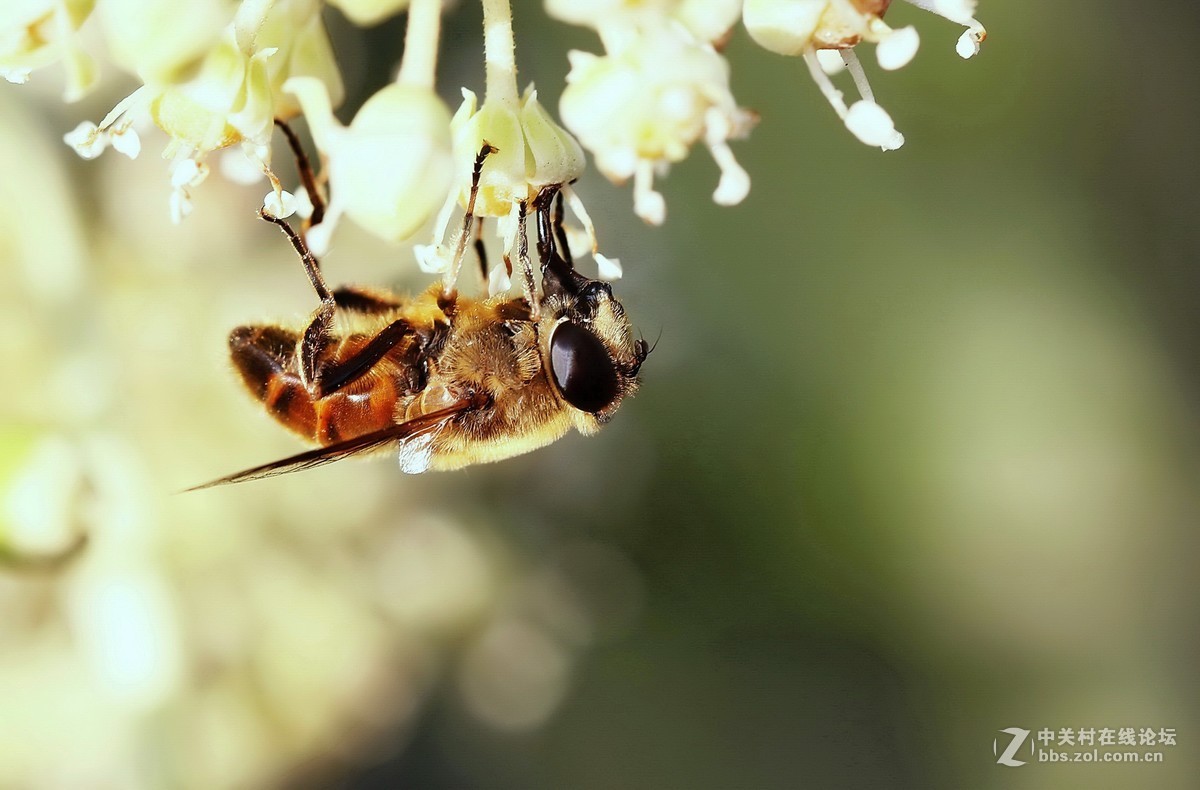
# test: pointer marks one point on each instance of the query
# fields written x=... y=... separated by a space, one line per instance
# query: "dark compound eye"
x=582 y=368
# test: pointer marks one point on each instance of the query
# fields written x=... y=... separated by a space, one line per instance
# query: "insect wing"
x=425 y=424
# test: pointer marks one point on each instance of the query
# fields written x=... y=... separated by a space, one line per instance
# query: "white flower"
x=38 y=33
x=90 y=140
x=532 y=151
x=206 y=90
x=640 y=109
x=528 y=151
x=813 y=28
x=391 y=168
x=617 y=20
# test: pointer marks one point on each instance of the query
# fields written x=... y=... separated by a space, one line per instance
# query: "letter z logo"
x=1018 y=738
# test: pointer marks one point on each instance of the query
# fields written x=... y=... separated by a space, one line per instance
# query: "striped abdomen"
x=265 y=356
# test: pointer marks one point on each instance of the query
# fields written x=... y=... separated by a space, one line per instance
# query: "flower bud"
x=785 y=27
x=552 y=155
x=391 y=168
x=502 y=180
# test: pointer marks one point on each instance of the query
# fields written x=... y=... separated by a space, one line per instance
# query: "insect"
x=446 y=379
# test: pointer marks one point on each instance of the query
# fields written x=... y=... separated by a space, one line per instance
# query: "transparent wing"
x=425 y=424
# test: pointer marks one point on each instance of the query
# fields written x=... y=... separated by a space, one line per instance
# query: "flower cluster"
x=825 y=33
x=660 y=87
x=217 y=75
x=213 y=81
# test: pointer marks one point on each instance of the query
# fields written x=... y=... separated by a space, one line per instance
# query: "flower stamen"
x=647 y=204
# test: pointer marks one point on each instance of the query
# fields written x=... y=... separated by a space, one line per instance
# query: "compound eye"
x=582 y=368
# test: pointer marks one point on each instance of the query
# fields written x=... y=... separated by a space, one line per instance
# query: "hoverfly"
x=446 y=379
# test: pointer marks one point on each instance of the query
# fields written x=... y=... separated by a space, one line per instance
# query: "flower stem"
x=421 y=44
x=498 y=51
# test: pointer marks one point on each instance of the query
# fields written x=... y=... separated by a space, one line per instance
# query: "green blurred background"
x=915 y=459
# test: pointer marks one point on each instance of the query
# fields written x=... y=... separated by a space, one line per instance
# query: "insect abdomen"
x=265 y=356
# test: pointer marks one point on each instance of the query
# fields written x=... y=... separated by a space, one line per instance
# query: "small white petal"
x=871 y=124
x=127 y=142
x=647 y=204
x=898 y=49
x=578 y=242
x=650 y=206
x=188 y=173
x=87 y=140
x=239 y=168
x=181 y=205
x=831 y=61
x=280 y=205
x=506 y=227
x=304 y=206
x=968 y=42
x=431 y=258
x=16 y=76
x=733 y=186
x=498 y=280
x=735 y=181
x=318 y=237
x=575 y=203
x=608 y=268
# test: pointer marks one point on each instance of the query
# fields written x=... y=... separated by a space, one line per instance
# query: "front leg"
x=313 y=350
x=328 y=375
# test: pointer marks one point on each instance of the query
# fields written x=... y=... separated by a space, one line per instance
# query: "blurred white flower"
x=161 y=41
x=641 y=108
x=232 y=94
x=38 y=33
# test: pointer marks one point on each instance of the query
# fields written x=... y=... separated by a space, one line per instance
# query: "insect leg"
x=452 y=275
x=560 y=233
x=307 y=176
x=558 y=274
x=480 y=250
x=317 y=336
x=312 y=267
x=530 y=287
x=329 y=377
